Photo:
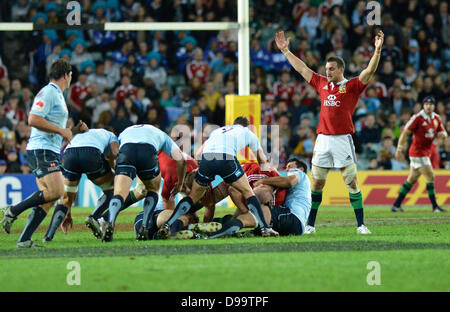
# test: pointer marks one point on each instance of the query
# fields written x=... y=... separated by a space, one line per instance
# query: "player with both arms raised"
x=334 y=145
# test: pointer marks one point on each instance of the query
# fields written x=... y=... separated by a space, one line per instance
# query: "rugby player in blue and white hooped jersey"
x=91 y=153
x=48 y=119
x=218 y=157
x=291 y=218
x=138 y=155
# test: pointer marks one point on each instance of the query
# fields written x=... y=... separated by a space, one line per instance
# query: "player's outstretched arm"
x=42 y=124
x=282 y=182
x=298 y=64
x=367 y=74
x=401 y=145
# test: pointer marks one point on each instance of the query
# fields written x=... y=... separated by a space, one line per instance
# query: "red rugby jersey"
x=168 y=167
x=337 y=104
x=254 y=173
x=424 y=128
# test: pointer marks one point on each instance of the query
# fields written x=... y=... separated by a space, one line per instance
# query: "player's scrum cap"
x=429 y=99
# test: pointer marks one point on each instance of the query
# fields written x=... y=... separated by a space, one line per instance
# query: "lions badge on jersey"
x=436 y=124
x=342 y=89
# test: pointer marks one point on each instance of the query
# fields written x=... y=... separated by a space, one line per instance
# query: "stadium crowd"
x=169 y=78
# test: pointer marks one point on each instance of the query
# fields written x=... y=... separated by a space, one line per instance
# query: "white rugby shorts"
x=417 y=162
x=334 y=151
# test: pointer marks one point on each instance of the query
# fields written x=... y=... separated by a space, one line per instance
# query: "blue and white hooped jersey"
x=98 y=138
x=230 y=140
x=298 y=197
x=150 y=135
x=49 y=103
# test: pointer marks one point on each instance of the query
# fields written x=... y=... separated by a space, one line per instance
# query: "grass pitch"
x=412 y=249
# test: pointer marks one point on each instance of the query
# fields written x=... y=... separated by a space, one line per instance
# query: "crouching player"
x=138 y=155
x=218 y=157
x=168 y=173
x=87 y=153
x=268 y=196
x=424 y=126
x=289 y=215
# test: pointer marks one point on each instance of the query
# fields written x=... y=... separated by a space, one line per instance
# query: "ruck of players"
x=177 y=187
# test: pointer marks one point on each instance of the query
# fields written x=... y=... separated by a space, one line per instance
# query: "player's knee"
x=349 y=174
x=264 y=194
x=319 y=176
x=141 y=188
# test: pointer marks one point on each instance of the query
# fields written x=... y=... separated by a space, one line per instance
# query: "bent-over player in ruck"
x=138 y=156
x=425 y=126
x=87 y=153
x=218 y=157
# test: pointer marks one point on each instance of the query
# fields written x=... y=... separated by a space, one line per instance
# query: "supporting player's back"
x=230 y=140
x=98 y=138
x=148 y=134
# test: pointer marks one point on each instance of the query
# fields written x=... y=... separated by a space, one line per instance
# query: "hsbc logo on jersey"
x=331 y=101
x=430 y=134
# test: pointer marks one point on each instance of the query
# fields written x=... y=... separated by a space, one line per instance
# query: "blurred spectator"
x=124 y=90
x=121 y=120
x=155 y=71
x=198 y=67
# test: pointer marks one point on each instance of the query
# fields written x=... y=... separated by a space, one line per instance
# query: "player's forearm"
x=367 y=74
x=42 y=124
x=282 y=182
x=401 y=145
x=298 y=65
x=181 y=171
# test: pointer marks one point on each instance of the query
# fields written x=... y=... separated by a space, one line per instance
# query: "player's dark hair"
x=339 y=61
x=241 y=120
x=299 y=163
x=59 y=69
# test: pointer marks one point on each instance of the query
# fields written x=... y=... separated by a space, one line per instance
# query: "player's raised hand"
x=379 y=38
x=281 y=41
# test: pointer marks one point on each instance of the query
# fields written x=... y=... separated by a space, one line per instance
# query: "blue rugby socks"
x=58 y=217
x=149 y=208
x=35 y=218
x=115 y=205
x=254 y=206
x=228 y=228
x=177 y=226
x=182 y=208
x=35 y=199
x=102 y=204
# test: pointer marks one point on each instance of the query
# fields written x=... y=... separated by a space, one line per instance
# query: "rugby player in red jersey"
x=425 y=126
x=334 y=145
